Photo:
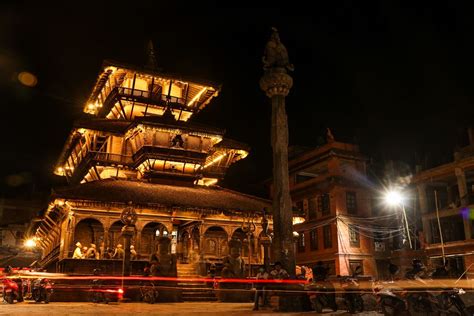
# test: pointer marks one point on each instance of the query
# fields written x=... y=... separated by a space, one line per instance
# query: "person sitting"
x=119 y=253
x=278 y=273
x=78 y=252
x=133 y=253
x=84 y=251
x=320 y=272
x=92 y=252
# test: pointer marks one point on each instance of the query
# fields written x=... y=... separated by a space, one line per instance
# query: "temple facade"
x=138 y=145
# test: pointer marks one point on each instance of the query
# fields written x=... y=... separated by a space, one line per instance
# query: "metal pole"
x=406 y=225
x=439 y=227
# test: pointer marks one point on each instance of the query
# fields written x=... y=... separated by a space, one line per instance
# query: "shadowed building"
x=139 y=143
x=449 y=188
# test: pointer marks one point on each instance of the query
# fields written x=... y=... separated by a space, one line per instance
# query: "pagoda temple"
x=138 y=144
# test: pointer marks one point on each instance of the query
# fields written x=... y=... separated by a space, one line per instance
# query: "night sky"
x=397 y=80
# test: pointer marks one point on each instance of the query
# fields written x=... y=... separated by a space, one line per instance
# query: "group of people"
x=319 y=272
x=91 y=252
x=277 y=273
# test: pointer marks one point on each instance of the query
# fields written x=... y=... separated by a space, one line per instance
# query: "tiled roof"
x=143 y=193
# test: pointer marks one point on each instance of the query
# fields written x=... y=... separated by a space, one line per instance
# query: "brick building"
x=328 y=183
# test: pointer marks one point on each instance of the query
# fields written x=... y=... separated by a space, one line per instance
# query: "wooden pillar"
x=424 y=210
x=464 y=196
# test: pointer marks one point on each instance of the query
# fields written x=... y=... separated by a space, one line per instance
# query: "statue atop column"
x=276 y=55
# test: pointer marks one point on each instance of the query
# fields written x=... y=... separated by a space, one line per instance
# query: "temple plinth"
x=276 y=83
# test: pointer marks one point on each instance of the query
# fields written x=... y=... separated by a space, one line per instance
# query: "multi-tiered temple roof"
x=138 y=126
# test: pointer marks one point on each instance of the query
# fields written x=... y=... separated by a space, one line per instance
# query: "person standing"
x=260 y=289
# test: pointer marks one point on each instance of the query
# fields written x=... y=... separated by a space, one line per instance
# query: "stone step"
x=195 y=286
x=200 y=299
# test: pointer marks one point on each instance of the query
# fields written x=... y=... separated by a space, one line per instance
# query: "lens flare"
x=27 y=79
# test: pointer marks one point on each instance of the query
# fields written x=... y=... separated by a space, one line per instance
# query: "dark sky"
x=395 y=79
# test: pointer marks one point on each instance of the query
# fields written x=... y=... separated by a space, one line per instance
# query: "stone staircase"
x=194 y=291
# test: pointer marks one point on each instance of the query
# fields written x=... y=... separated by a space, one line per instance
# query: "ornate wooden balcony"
x=144 y=97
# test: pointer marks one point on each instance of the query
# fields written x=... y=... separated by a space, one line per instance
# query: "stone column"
x=127 y=233
x=276 y=84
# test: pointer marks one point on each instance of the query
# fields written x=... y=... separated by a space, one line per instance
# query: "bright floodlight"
x=393 y=198
x=30 y=243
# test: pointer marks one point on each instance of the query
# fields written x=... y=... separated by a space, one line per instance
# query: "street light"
x=30 y=243
x=395 y=198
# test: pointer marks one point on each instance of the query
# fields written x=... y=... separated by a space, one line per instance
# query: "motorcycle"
x=41 y=290
x=149 y=293
x=321 y=295
x=352 y=297
x=391 y=300
x=12 y=290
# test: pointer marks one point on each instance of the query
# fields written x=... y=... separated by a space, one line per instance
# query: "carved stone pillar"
x=276 y=84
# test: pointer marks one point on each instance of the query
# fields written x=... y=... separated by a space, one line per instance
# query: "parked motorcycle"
x=149 y=293
x=101 y=293
x=352 y=296
x=391 y=299
x=12 y=290
x=41 y=290
x=321 y=295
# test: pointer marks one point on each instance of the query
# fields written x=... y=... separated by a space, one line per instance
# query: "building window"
x=313 y=239
x=351 y=202
x=353 y=264
x=312 y=208
x=452 y=227
x=324 y=205
x=301 y=244
x=327 y=237
x=354 y=237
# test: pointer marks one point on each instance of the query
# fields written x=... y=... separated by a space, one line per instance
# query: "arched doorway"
x=150 y=234
x=215 y=242
x=88 y=231
x=115 y=232
x=246 y=244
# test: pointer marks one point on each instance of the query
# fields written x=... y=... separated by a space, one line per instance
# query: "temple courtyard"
x=204 y=308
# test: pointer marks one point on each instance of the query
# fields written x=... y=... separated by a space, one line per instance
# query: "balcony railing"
x=146 y=95
x=110 y=158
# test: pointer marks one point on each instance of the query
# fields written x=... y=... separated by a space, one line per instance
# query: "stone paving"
x=179 y=309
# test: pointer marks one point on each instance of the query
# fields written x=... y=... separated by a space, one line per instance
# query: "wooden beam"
x=122 y=108
x=96 y=172
x=133 y=89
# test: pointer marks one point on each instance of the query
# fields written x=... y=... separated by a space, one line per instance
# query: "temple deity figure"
x=78 y=252
x=233 y=263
